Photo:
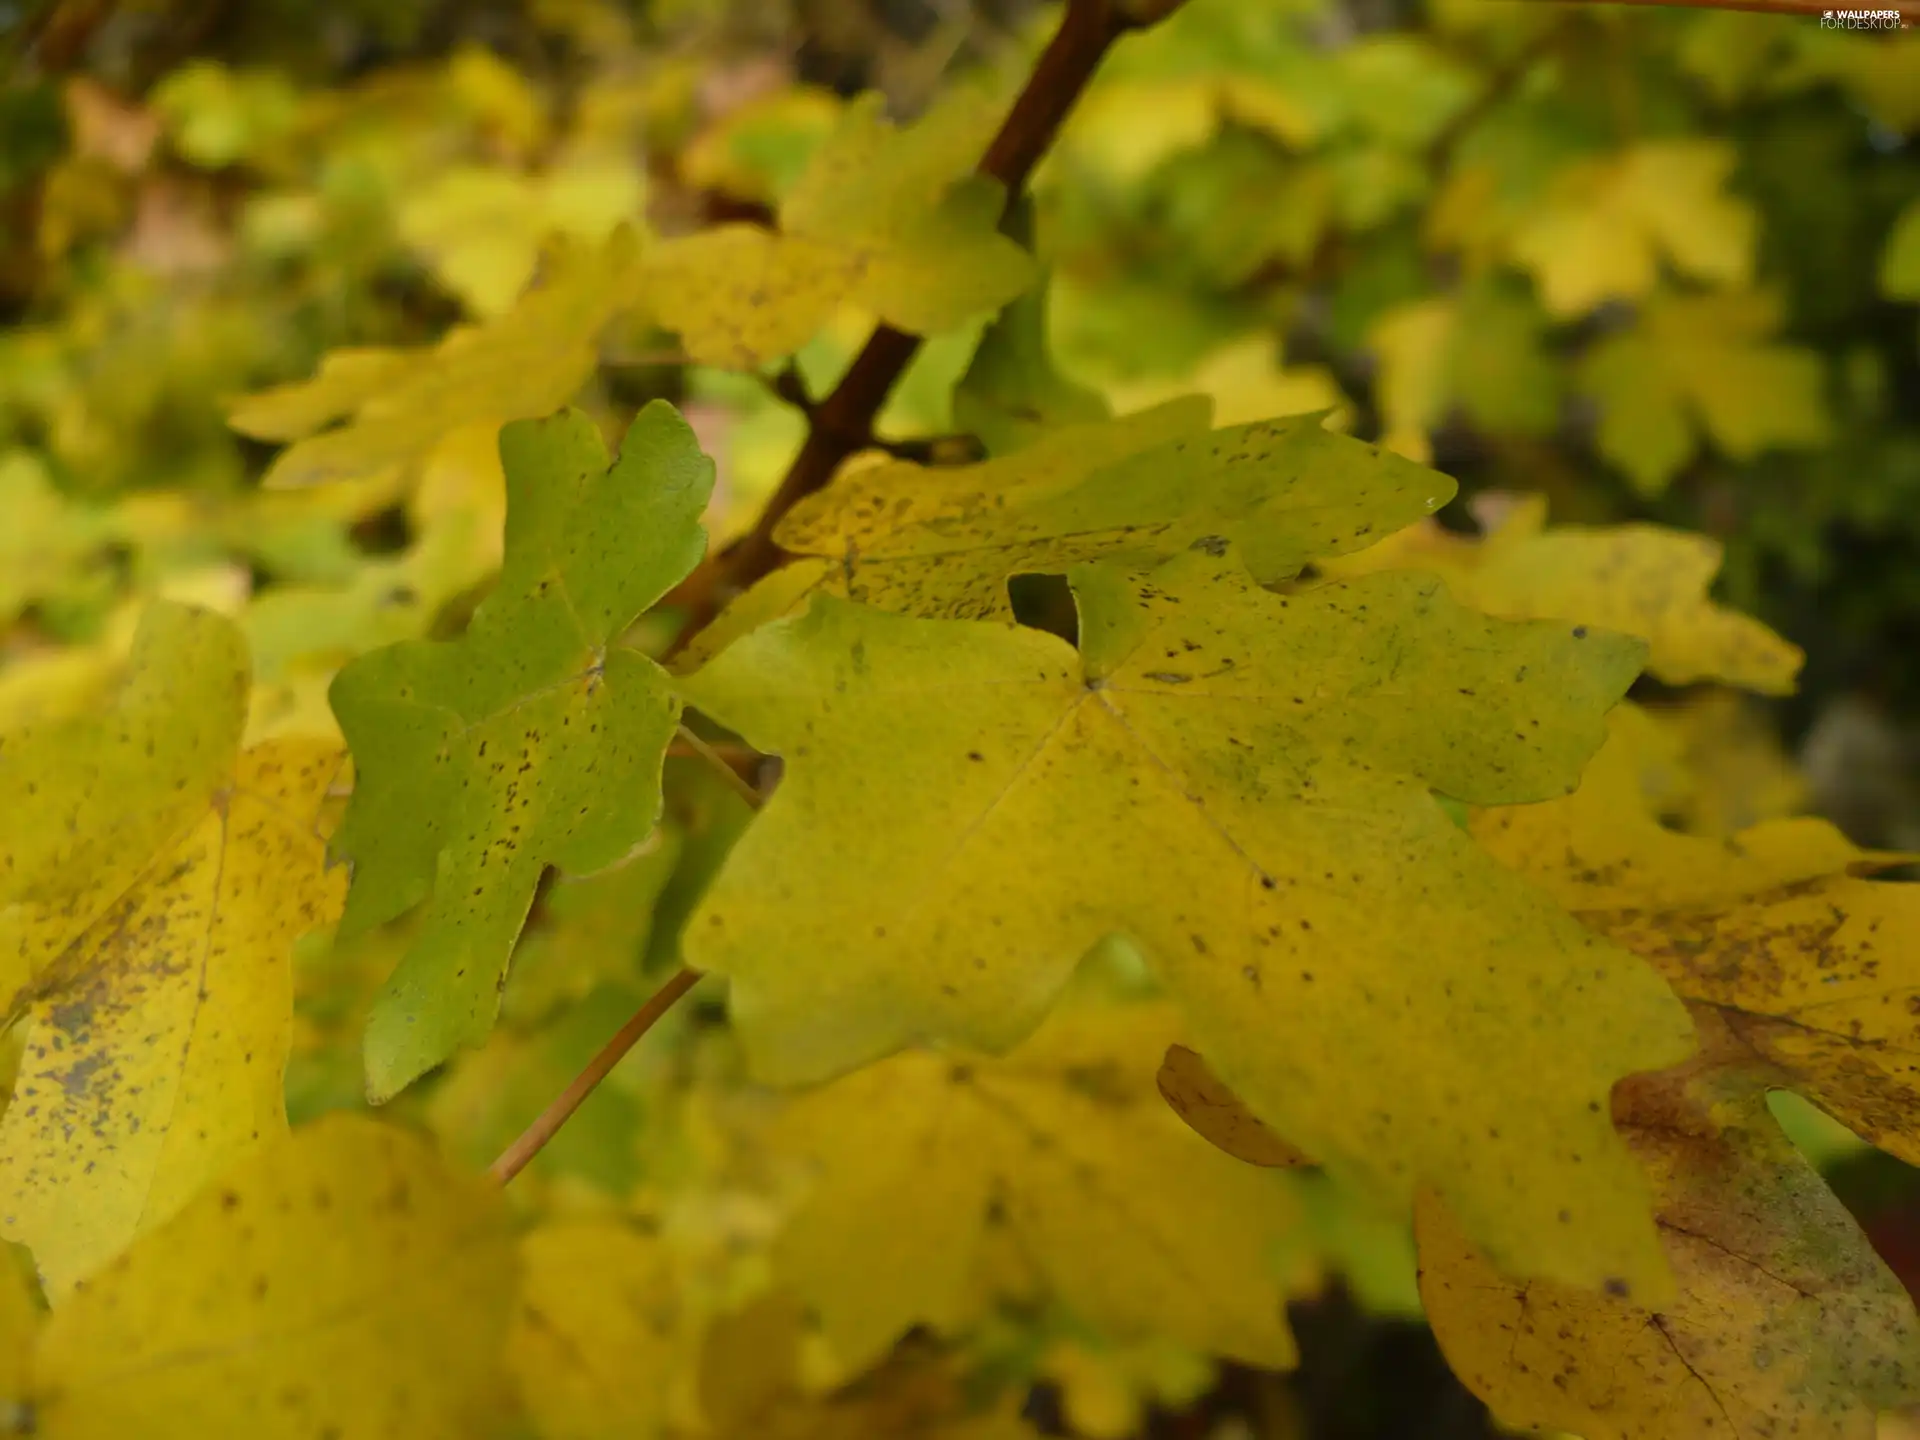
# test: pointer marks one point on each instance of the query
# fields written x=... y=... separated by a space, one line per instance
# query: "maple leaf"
x=600 y=1331
x=1900 y=261
x=394 y=406
x=1772 y=932
x=1702 y=362
x=155 y=935
x=483 y=227
x=534 y=739
x=926 y=1163
x=942 y=541
x=1246 y=380
x=343 y=1282
x=1643 y=580
x=1604 y=226
x=891 y=220
x=1243 y=783
x=1786 y=1321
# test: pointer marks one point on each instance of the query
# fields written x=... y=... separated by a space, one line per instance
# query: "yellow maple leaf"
x=1246 y=380
x=1645 y=580
x=1773 y=930
x=1108 y=1392
x=1786 y=1321
x=344 y=1282
x=158 y=1000
x=394 y=407
x=891 y=220
x=1702 y=364
x=481 y=228
x=1604 y=227
x=600 y=1336
x=1061 y=1148
x=1243 y=782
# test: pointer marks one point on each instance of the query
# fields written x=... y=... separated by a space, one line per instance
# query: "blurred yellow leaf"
x=1730 y=769
x=1065 y=1144
x=1246 y=380
x=1605 y=226
x=1900 y=261
x=397 y=406
x=1645 y=580
x=482 y=229
x=343 y=1282
x=890 y=219
x=600 y=1342
x=1703 y=363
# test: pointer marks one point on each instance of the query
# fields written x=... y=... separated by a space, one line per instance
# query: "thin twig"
x=1908 y=9
x=515 y=1157
x=842 y=423
x=722 y=765
x=726 y=760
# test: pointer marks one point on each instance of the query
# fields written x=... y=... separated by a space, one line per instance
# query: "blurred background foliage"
x=1651 y=264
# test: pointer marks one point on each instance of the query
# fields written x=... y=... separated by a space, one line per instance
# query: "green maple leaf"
x=534 y=739
x=1243 y=783
x=892 y=220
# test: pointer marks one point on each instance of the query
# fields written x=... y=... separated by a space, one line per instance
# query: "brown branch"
x=515 y=1157
x=842 y=423
x=1908 y=9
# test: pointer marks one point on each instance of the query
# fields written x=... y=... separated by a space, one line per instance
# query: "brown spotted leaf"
x=345 y=1282
x=158 y=1017
x=1244 y=783
x=1813 y=969
x=1786 y=1321
x=942 y=541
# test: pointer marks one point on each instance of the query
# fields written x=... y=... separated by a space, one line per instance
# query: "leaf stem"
x=724 y=764
x=515 y=1157
x=842 y=423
